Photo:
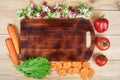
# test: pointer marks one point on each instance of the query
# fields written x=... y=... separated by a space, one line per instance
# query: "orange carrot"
x=91 y=73
x=53 y=66
x=84 y=72
x=76 y=64
x=58 y=65
x=66 y=65
x=14 y=36
x=75 y=70
x=79 y=65
x=86 y=65
x=62 y=72
x=70 y=71
x=84 y=77
x=12 y=51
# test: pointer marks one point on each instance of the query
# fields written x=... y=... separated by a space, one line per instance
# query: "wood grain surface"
x=111 y=8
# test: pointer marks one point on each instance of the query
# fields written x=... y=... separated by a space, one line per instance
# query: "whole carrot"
x=14 y=36
x=12 y=51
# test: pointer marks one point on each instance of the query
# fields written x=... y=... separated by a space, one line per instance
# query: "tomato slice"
x=103 y=43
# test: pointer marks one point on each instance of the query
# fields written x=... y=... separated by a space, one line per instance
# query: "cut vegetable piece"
x=53 y=66
x=75 y=70
x=70 y=71
x=91 y=73
x=66 y=65
x=58 y=65
x=84 y=77
x=86 y=65
x=62 y=72
x=79 y=65
x=84 y=72
x=74 y=64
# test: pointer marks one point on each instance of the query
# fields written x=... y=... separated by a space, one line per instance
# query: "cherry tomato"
x=103 y=43
x=101 y=60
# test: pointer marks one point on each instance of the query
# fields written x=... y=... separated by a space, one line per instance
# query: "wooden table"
x=111 y=8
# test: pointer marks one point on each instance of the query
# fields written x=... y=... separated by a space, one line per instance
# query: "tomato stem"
x=102 y=56
x=104 y=44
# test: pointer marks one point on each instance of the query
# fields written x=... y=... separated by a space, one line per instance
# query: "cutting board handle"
x=92 y=41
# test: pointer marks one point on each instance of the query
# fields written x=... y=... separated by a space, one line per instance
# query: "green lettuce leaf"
x=35 y=67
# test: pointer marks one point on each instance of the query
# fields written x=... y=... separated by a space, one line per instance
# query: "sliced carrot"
x=70 y=71
x=58 y=65
x=86 y=64
x=84 y=77
x=79 y=65
x=53 y=66
x=91 y=73
x=66 y=65
x=76 y=64
x=84 y=72
x=62 y=72
x=14 y=36
x=75 y=70
x=12 y=51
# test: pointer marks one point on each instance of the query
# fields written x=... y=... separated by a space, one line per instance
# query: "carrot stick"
x=12 y=51
x=14 y=36
x=76 y=64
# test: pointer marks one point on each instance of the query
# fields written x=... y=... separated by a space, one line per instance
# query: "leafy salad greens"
x=35 y=67
x=57 y=11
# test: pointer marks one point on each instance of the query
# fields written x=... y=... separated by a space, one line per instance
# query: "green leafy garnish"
x=35 y=67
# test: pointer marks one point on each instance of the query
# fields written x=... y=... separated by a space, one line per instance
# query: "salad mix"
x=57 y=11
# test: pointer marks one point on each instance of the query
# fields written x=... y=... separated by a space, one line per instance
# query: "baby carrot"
x=14 y=36
x=12 y=51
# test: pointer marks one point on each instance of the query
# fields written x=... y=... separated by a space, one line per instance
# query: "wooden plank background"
x=111 y=8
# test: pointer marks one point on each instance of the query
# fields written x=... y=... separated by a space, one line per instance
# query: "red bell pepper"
x=101 y=24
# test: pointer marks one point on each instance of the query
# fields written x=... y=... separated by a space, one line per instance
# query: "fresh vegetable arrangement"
x=40 y=67
x=101 y=24
x=35 y=67
x=57 y=11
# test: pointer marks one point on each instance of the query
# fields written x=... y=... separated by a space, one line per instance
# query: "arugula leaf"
x=35 y=67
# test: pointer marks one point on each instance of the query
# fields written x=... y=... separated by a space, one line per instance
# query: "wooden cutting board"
x=56 y=39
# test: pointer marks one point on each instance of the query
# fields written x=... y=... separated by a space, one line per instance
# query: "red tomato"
x=101 y=60
x=103 y=43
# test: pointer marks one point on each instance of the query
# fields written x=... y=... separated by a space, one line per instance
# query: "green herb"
x=35 y=67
